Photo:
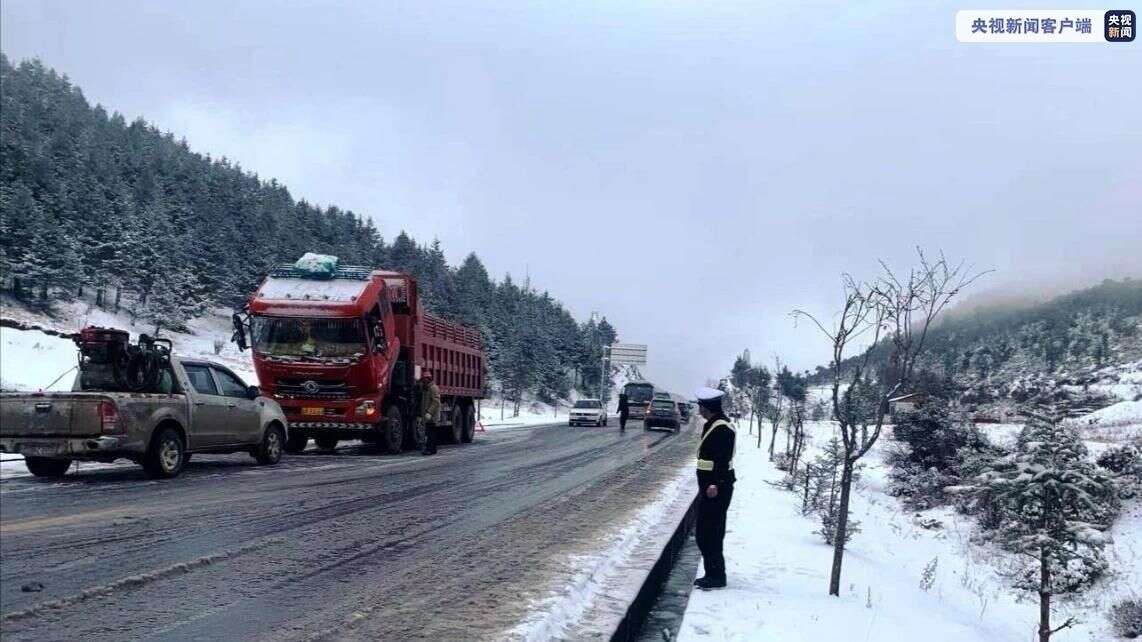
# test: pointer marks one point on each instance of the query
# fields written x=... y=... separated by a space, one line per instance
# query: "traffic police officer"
x=715 y=486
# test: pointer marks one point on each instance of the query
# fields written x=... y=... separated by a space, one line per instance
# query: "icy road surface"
x=348 y=545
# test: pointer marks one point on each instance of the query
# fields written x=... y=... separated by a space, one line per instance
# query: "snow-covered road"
x=349 y=545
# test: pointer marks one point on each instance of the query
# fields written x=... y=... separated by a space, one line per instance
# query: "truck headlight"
x=367 y=408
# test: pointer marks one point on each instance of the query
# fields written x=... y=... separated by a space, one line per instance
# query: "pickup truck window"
x=231 y=385
x=201 y=380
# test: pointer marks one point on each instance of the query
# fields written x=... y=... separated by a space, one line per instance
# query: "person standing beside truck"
x=624 y=411
x=430 y=408
x=715 y=486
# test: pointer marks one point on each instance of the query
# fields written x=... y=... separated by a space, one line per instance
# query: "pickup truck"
x=199 y=407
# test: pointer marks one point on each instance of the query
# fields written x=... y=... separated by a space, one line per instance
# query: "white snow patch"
x=341 y=290
x=31 y=360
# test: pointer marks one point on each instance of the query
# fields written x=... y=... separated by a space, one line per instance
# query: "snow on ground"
x=562 y=609
x=32 y=360
x=778 y=573
x=205 y=333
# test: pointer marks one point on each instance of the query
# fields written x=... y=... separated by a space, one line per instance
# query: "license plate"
x=313 y=411
x=35 y=451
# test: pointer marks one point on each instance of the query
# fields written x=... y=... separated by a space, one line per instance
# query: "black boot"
x=707 y=583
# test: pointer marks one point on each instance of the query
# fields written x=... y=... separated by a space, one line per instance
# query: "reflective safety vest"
x=708 y=464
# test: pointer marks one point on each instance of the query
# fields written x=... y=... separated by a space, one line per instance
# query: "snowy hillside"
x=780 y=568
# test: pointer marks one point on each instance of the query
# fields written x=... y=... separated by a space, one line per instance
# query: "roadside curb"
x=630 y=625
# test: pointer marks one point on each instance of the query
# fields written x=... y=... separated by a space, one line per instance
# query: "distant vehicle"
x=188 y=407
x=342 y=349
x=639 y=394
x=663 y=413
x=588 y=411
x=684 y=409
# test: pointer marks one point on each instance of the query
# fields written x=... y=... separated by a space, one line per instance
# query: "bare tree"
x=776 y=408
x=900 y=310
x=797 y=446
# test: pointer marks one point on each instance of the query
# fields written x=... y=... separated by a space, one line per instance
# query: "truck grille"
x=313 y=389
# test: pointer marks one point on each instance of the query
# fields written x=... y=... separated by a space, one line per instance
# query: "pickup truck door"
x=245 y=420
x=210 y=411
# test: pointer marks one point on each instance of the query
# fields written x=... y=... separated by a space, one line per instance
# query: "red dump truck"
x=342 y=349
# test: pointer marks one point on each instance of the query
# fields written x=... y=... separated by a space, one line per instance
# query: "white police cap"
x=708 y=394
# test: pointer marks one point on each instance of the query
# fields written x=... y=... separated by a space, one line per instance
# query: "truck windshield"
x=294 y=337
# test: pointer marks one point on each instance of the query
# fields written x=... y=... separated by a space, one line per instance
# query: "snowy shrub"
x=935 y=433
x=822 y=490
x=781 y=461
x=1125 y=462
x=828 y=530
x=218 y=345
x=1053 y=505
x=928 y=577
x=1123 y=459
x=1126 y=618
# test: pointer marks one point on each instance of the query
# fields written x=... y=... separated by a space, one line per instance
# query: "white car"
x=588 y=411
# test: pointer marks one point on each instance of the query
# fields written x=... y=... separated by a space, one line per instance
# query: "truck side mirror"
x=239 y=335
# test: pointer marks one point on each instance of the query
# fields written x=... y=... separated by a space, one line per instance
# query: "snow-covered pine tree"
x=823 y=490
x=1055 y=505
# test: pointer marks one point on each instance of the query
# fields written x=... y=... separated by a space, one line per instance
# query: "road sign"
x=628 y=354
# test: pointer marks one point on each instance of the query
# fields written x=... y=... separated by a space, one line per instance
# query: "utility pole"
x=603 y=375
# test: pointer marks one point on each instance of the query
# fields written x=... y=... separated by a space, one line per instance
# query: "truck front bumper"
x=70 y=447
x=331 y=426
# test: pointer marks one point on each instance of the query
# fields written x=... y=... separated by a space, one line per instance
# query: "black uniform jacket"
x=718 y=447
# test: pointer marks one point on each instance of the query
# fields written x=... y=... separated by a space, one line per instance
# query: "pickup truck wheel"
x=325 y=442
x=47 y=467
x=391 y=431
x=270 y=450
x=469 y=425
x=166 y=455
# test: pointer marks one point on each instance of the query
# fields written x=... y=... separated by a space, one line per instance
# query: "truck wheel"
x=166 y=455
x=456 y=430
x=47 y=467
x=296 y=443
x=469 y=424
x=391 y=431
x=269 y=452
x=419 y=434
x=326 y=442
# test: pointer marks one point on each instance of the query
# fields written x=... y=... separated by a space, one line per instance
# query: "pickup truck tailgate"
x=50 y=414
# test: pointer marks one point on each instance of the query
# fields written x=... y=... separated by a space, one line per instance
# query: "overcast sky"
x=692 y=170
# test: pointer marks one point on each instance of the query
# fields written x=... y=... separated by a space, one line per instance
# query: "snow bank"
x=1114 y=424
x=564 y=607
x=779 y=571
x=1122 y=413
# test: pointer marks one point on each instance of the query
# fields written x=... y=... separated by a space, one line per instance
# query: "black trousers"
x=710 y=529
x=430 y=437
x=623 y=421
